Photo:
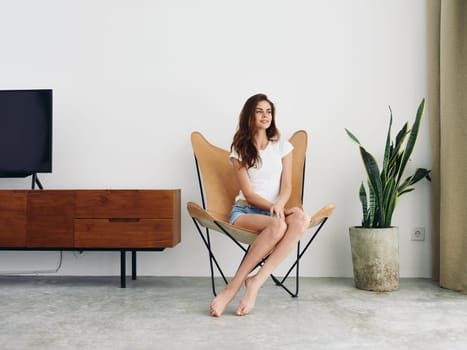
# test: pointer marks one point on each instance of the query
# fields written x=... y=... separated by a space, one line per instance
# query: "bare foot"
x=221 y=301
x=249 y=298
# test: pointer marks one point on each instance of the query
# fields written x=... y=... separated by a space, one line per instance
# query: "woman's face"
x=263 y=115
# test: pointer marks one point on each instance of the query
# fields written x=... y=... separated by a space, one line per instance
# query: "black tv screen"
x=25 y=132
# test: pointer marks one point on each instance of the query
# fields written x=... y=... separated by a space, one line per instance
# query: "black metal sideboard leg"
x=122 y=268
x=133 y=264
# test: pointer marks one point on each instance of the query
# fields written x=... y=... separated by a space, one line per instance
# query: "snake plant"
x=385 y=186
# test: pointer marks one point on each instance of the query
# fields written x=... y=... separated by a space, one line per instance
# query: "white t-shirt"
x=265 y=179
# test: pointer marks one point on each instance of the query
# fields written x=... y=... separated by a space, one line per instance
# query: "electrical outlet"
x=418 y=234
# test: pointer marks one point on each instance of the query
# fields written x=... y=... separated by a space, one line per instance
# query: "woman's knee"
x=298 y=220
x=278 y=229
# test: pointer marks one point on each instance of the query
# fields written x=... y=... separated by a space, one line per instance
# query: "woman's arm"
x=286 y=186
x=245 y=186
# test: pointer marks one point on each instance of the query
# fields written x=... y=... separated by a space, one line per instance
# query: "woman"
x=262 y=164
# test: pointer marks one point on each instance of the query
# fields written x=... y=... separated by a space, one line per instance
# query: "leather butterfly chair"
x=219 y=187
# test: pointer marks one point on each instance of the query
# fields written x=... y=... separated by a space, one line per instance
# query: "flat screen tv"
x=25 y=132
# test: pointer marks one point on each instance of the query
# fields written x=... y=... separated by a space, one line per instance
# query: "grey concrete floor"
x=172 y=313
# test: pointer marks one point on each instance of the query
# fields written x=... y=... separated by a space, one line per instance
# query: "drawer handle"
x=124 y=220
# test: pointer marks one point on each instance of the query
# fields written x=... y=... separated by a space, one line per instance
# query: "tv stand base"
x=35 y=181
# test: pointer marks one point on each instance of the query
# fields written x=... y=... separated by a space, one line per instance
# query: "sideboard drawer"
x=124 y=233
x=145 y=204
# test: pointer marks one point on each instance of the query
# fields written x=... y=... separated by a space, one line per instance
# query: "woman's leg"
x=297 y=222
x=271 y=231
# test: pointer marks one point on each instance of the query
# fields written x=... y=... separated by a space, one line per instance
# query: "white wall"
x=132 y=79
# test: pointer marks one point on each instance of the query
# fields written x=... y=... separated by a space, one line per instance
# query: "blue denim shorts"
x=238 y=210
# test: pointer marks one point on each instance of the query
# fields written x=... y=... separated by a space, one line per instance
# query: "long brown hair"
x=243 y=139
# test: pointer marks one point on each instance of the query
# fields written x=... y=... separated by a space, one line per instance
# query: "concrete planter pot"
x=375 y=258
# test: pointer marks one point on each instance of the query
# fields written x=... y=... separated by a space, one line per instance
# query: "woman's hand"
x=277 y=210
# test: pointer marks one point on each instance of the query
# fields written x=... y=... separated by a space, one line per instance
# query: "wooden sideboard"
x=124 y=220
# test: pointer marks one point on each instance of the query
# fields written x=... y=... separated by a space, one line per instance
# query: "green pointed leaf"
x=412 y=138
x=401 y=135
x=372 y=206
x=392 y=203
x=388 y=188
x=420 y=173
x=387 y=149
x=406 y=190
x=396 y=156
x=372 y=170
x=363 y=200
x=352 y=137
